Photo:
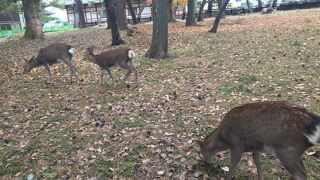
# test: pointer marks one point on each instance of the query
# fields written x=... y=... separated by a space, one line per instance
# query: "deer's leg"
x=47 y=66
x=291 y=160
x=73 y=69
x=236 y=153
x=109 y=72
x=132 y=69
x=256 y=158
x=102 y=72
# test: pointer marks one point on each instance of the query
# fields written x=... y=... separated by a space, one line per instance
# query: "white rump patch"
x=314 y=136
x=131 y=54
x=72 y=50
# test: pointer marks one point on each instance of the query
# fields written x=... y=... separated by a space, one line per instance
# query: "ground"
x=104 y=132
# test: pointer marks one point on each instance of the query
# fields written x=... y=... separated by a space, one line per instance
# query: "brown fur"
x=271 y=126
x=110 y=58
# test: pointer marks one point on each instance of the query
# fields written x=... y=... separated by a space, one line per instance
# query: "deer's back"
x=268 y=123
x=52 y=52
x=113 y=56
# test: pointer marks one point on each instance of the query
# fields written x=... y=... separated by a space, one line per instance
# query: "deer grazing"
x=121 y=56
x=277 y=127
x=52 y=54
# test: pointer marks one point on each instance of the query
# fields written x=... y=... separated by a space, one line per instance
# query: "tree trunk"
x=159 y=45
x=81 y=20
x=203 y=3
x=218 y=17
x=33 y=23
x=249 y=7
x=274 y=3
x=116 y=39
x=219 y=7
x=191 y=15
x=260 y=5
x=133 y=15
x=121 y=14
x=171 y=14
x=140 y=12
x=210 y=2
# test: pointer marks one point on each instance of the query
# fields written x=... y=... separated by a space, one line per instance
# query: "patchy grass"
x=92 y=131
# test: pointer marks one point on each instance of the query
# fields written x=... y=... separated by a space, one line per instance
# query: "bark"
x=140 y=12
x=159 y=45
x=81 y=20
x=171 y=12
x=210 y=2
x=191 y=15
x=249 y=7
x=274 y=3
x=121 y=14
x=116 y=39
x=33 y=23
x=260 y=5
x=133 y=15
x=203 y=3
x=218 y=17
x=223 y=15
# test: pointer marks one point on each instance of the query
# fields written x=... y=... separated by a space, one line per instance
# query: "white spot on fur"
x=131 y=54
x=72 y=50
x=314 y=136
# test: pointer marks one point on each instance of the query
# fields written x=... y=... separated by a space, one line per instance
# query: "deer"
x=278 y=127
x=107 y=59
x=53 y=54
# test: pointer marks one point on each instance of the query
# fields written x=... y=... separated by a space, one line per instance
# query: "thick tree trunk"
x=159 y=45
x=203 y=3
x=260 y=5
x=33 y=23
x=81 y=20
x=171 y=14
x=248 y=5
x=223 y=15
x=116 y=39
x=133 y=15
x=274 y=3
x=191 y=15
x=218 y=17
x=210 y=2
x=121 y=14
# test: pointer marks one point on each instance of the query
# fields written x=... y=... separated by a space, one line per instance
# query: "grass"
x=92 y=131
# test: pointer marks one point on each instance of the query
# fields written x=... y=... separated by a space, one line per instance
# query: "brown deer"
x=52 y=54
x=277 y=127
x=120 y=56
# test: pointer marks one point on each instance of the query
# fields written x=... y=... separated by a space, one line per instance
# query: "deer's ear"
x=201 y=144
x=25 y=60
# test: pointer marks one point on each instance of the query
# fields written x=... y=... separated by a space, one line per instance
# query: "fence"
x=7 y=33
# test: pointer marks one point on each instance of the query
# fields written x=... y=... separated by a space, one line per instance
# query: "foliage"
x=10 y=6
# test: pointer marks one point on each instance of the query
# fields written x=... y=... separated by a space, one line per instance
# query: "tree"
x=203 y=3
x=210 y=2
x=81 y=21
x=191 y=16
x=260 y=5
x=140 y=11
x=159 y=45
x=121 y=17
x=32 y=18
x=218 y=17
x=219 y=7
x=116 y=39
x=274 y=3
x=249 y=6
x=171 y=12
x=133 y=15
